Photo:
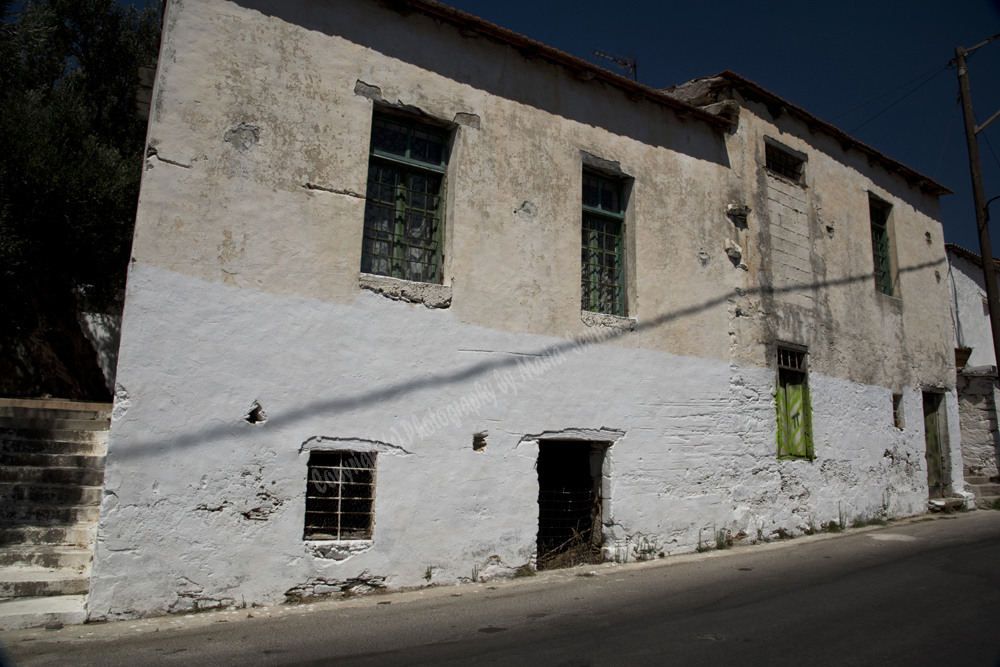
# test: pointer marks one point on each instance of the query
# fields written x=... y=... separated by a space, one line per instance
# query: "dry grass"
x=577 y=550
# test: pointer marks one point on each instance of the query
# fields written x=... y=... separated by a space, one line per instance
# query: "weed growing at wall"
x=644 y=548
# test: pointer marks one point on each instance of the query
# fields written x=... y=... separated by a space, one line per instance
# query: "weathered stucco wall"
x=977 y=382
x=969 y=311
x=244 y=287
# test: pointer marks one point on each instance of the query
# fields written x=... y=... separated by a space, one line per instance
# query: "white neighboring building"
x=977 y=378
x=401 y=278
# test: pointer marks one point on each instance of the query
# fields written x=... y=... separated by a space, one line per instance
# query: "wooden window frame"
x=412 y=182
x=878 y=213
x=784 y=162
x=340 y=484
x=599 y=224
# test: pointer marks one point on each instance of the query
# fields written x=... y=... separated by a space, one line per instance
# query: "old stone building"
x=414 y=299
x=976 y=374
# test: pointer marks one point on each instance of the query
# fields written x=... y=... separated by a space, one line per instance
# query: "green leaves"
x=69 y=180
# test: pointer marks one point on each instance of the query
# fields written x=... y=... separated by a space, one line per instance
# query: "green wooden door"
x=794 y=419
x=932 y=436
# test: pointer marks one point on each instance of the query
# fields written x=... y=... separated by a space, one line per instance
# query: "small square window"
x=897 y=410
x=340 y=495
x=784 y=163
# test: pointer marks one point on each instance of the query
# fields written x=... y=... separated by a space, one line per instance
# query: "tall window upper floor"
x=404 y=200
x=602 y=270
x=881 y=245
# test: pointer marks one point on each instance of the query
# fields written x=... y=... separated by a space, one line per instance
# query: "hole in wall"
x=255 y=415
x=479 y=441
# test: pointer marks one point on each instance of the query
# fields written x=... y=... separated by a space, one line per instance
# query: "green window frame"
x=881 y=259
x=602 y=272
x=795 y=437
x=404 y=201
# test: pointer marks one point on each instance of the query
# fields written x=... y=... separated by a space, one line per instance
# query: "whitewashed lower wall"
x=204 y=509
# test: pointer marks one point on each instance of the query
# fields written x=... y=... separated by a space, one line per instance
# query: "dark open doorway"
x=934 y=438
x=569 y=502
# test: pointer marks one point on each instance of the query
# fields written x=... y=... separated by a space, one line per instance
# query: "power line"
x=875 y=99
x=899 y=100
x=946 y=135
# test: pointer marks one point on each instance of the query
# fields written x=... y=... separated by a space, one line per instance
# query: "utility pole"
x=982 y=215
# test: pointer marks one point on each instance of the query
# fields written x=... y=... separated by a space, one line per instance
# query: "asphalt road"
x=922 y=592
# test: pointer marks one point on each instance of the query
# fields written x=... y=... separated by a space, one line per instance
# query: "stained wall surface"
x=244 y=287
x=977 y=382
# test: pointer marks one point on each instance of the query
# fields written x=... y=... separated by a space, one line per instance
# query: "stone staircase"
x=987 y=490
x=51 y=481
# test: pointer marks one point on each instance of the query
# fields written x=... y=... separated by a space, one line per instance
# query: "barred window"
x=404 y=201
x=783 y=163
x=340 y=495
x=603 y=258
x=879 y=213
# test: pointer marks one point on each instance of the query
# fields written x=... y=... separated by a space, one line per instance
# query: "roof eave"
x=912 y=176
x=511 y=38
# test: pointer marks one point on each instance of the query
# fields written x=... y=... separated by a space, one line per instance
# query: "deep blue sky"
x=825 y=57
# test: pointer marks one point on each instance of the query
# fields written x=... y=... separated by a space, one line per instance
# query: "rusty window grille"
x=602 y=269
x=792 y=360
x=404 y=201
x=340 y=495
x=880 y=246
x=783 y=163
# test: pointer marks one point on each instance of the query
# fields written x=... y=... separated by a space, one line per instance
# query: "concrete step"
x=54 y=434
x=53 y=404
x=28 y=534
x=55 y=424
x=35 y=475
x=32 y=582
x=15 y=445
x=51 y=611
x=46 y=556
x=986 y=502
x=36 y=514
x=43 y=413
x=986 y=489
x=976 y=479
x=51 y=460
x=50 y=494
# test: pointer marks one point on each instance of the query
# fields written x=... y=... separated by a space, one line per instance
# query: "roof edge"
x=509 y=37
x=973 y=257
x=912 y=176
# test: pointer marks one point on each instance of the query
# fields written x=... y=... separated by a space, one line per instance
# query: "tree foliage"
x=70 y=168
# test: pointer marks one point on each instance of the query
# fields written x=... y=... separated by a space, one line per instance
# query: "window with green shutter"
x=879 y=214
x=794 y=408
x=602 y=270
x=404 y=201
